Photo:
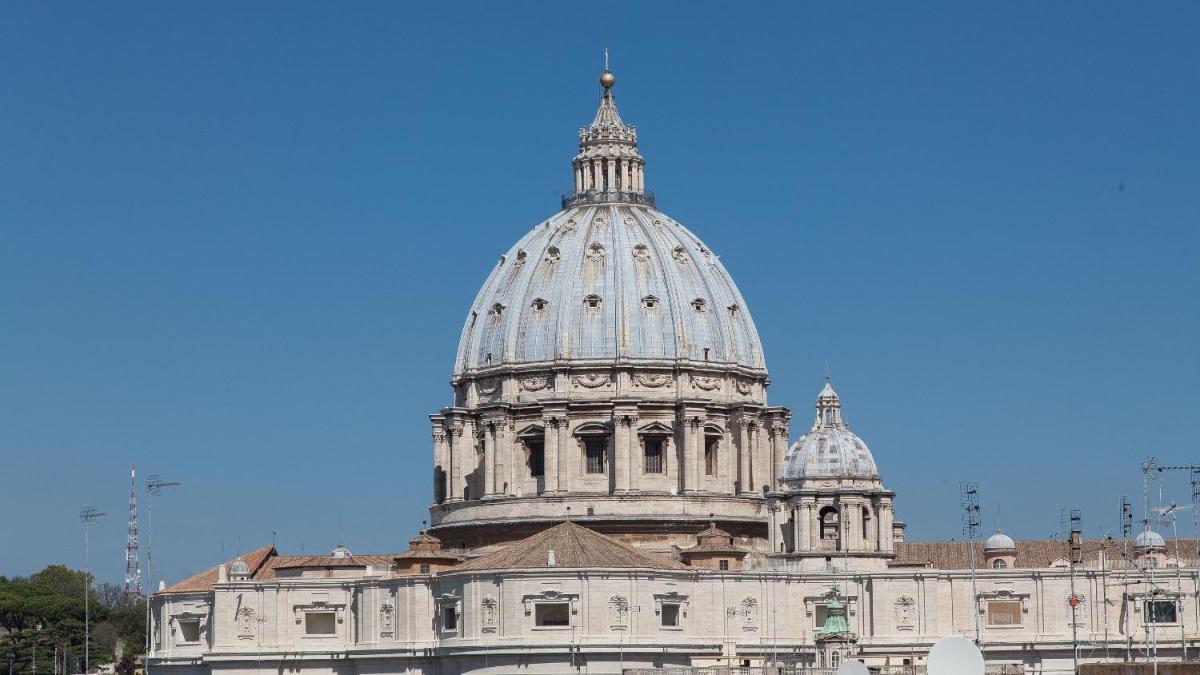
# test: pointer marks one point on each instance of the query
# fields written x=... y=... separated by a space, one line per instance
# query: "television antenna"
x=88 y=515
x=155 y=484
x=972 y=523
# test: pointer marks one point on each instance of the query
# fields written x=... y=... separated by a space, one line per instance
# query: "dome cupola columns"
x=608 y=168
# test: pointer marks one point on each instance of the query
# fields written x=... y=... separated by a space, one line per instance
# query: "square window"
x=1161 y=611
x=654 y=455
x=189 y=630
x=552 y=614
x=723 y=565
x=595 y=448
x=424 y=568
x=1004 y=613
x=670 y=615
x=450 y=618
x=320 y=623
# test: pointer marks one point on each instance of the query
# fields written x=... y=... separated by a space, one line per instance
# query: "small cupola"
x=1000 y=551
x=239 y=570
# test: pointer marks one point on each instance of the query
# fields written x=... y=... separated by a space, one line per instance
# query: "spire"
x=608 y=167
x=829 y=406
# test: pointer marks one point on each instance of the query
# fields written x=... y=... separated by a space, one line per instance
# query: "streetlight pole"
x=88 y=516
x=155 y=484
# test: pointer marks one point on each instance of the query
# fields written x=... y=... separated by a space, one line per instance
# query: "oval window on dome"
x=700 y=305
x=679 y=254
x=538 y=304
x=592 y=302
x=596 y=251
x=497 y=309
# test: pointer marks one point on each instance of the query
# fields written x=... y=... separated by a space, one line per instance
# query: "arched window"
x=999 y=565
x=829 y=523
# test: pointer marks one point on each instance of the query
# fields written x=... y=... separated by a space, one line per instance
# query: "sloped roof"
x=205 y=580
x=574 y=547
x=713 y=539
x=954 y=555
x=324 y=561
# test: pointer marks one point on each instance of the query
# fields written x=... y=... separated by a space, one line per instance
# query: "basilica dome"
x=609 y=279
x=829 y=449
x=612 y=282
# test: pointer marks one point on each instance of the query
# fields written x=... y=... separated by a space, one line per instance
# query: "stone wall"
x=1139 y=669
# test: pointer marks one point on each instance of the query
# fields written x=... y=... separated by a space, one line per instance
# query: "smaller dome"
x=340 y=552
x=1149 y=539
x=999 y=542
x=829 y=449
x=239 y=568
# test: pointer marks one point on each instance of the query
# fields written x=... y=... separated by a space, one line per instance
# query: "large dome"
x=611 y=282
x=829 y=449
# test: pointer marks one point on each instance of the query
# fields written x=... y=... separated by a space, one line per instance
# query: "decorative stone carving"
x=618 y=612
x=745 y=613
x=680 y=255
x=745 y=387
x=706 y=383
x=535 y=383
x=905 y=608
x=596 y=252
x=641 y=253
x=387 y=613
x=489 y=609
x=552 y=255
x=591 y=380
x=488 y=386
x=651 y=380
x=245 y=623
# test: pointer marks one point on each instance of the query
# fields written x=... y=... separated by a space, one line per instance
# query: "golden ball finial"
x=607 y=80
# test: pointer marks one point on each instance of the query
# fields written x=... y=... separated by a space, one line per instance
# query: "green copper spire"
x=836 y=627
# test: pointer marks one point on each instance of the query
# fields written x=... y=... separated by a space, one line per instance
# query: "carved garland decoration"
x=706 y=383
x=535 y=383
x=591 y=380
x=651 y=380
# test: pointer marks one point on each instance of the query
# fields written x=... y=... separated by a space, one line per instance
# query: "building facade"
x=613 y=491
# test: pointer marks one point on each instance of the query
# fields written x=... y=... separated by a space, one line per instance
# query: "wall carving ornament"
x=745 y=387
x=488 y=386
x=387 y=615
x=905 y=608
x=651 y=380
x=591 y=380
x=746 y=614
x=489 y=611
x=535 y=383
x=618 y=612
x=706 y=383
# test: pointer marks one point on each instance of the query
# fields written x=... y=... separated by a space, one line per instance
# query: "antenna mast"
x=133 y=566
x=155 y=484
x=88 y=516
x=971 y=524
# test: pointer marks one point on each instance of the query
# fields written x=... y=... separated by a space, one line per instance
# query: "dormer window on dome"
x=592 y=302
x=538 y=304
x=699 y=305
x=649 y=302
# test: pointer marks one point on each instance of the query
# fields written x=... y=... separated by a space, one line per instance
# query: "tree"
x=128 y=664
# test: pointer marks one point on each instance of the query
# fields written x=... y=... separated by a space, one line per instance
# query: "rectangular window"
x=1161 y=611
x=537 y=458
x=820 y=613
x=723 y=565
x=711 y=443
x=1004 y=613
x=189 y=630
x=654 y=455
x=595 y=450
x=670 y=615
x=552 y=614
x=450 y=618
x=424 y=568
x=320 y=623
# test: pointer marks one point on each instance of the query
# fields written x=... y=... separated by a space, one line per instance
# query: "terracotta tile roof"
x=953 y=555
x=425 y=546
x=713 y=539
x=205 y=580
x=326 y=562
x=574 y=547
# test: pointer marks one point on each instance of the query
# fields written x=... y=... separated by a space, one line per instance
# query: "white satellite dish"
x=853 y=668
x=955 y=656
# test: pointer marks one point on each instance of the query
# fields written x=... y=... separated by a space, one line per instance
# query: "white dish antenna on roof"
x=853 y=668
x=955 y=656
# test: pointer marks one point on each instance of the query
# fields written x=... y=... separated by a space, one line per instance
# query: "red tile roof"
x=205 y=580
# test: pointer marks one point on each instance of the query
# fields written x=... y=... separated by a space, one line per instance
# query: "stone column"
x=814 y=527
x=685 y=455
x=621 y=429
x=611 y=177
x=745 y=480
x=697 y=451
x=728 y=461
x=578 y=177
x=886 y=524
x=550 y=454
x=773 y=511
x=441 y=457
x=454 y=440
x=488 y=433
x=779 y=439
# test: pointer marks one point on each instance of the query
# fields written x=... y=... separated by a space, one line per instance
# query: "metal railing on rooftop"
x=645 y=197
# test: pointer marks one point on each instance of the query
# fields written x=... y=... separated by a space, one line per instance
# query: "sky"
x=238 y=242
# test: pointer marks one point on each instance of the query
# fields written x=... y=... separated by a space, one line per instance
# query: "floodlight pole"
x=154 y=485
x=88 y=516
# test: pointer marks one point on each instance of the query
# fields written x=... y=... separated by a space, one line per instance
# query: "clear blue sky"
x=237 y=242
